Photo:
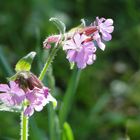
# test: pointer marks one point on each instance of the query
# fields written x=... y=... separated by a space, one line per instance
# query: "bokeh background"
x=107 y=101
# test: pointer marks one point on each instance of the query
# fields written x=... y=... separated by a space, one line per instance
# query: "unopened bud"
x=49 y=40
x=89 y=30
x=28 y=80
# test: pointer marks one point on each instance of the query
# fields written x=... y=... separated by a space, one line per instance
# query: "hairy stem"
x=50 y=58
x=48 y=62
x=24 y=127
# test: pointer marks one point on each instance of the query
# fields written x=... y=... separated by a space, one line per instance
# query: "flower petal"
x=77 y=40
x=4 y=88
x=38 y=107
x=69 y=45
x=12 y=84
x=71 y=55
x=108 y=22
x=101 y=44
x=110 y=29
x=29 y=111
x=106 y=36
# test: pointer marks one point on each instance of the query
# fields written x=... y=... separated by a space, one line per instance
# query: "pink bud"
x=89 y=30
x=49 y=40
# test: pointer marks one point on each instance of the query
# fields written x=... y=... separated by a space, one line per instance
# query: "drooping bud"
x=33 y=81
x=89 y=30
x=49 y=40
x=28 y=80
x=21 y=79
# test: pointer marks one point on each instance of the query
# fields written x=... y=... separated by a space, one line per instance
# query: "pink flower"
x=11 y=94
x=79 y=51
x=81 y=42
x=105 y=27
x=37 y=99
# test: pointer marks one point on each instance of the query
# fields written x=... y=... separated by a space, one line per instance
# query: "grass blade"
x=69 y=95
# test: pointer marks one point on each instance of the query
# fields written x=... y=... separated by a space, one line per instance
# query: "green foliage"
x=106 y=104
x=59 y=24
x=24 y=64
x=67 y=132
x=69 y=96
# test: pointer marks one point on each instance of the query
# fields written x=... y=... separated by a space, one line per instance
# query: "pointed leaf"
x=67 y=132
x=59 y=24
x=24 y=64
x=69 y=95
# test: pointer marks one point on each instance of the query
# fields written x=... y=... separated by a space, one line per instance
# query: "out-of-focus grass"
x=107 y=102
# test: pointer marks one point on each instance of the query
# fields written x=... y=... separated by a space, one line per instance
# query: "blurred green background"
x=107 y=101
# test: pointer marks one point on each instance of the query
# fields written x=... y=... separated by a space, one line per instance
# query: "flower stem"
x=24 y=127
x=48 y=62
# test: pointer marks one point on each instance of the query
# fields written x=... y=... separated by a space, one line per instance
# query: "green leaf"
x=59 y=24
x=24 y=64
x=69 y=95
x=67 y=132
x=4 y=107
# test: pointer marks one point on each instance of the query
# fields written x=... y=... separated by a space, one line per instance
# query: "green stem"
x=51 y=57
x=41 y=76
x=69 y=96
x=48 y=62
x=24 y=127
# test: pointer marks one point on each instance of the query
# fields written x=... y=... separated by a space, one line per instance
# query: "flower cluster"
x=80 y=51
x=30 y=94
x=81 y=44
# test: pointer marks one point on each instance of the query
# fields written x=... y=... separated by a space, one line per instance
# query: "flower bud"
x=49 y=40
x=28 y=80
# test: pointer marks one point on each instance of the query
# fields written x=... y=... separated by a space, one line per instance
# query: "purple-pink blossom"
x=11 y=94
x=80 y=44
x=79 y=51
x=37 y=99
x=105 y=27
x=30 y=99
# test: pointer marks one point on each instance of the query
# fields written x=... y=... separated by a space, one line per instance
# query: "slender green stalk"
x=48 y=62
x=24 y=127
x=24 y=120
x=51 y=112
x=51 y=57
x=69 y=95
x=41 y=76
